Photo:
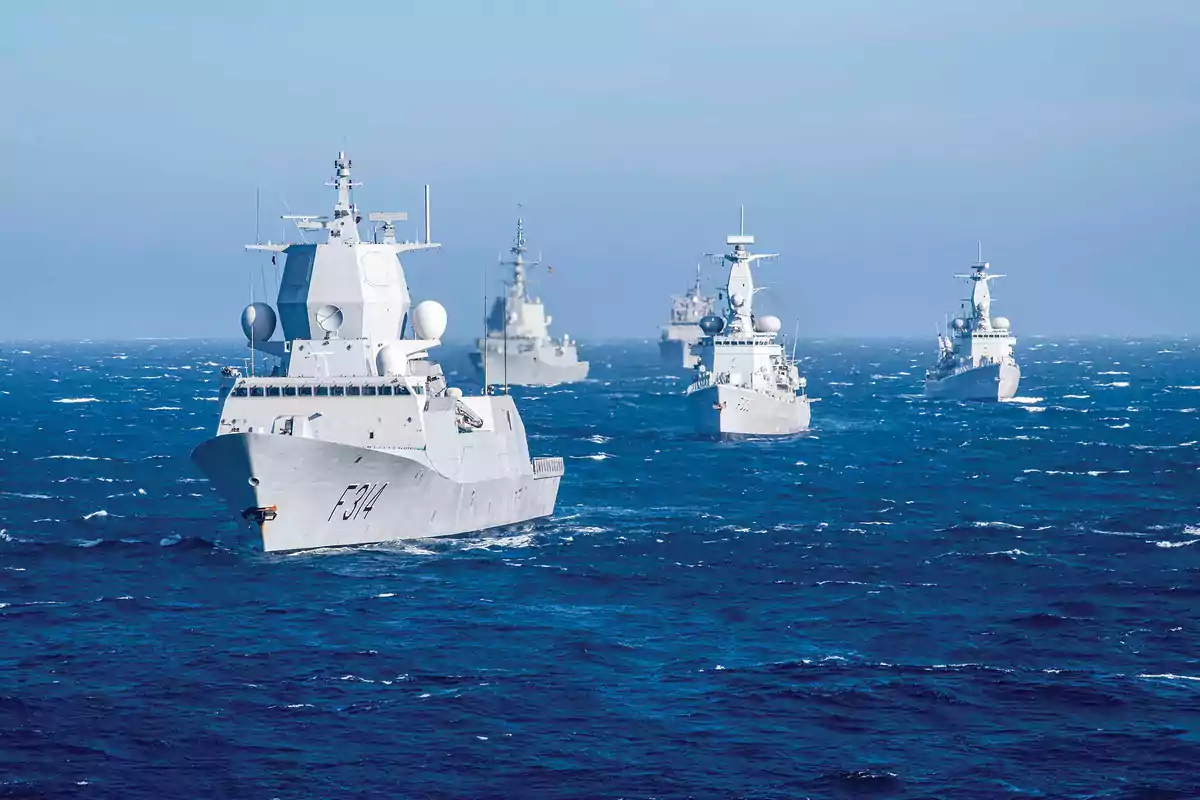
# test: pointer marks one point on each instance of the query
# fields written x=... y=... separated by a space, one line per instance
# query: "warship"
x=517 y=349
x=355 y=437
x=744 y=384
x=683 y=331
x=975 y=353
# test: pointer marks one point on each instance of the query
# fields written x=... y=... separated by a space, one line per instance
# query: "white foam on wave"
x=165 y=408
x=72 y=458
x=1115 y=384
x=1076 y=396
x=1013 y=552
x=77 y=400
x=1023 y=400
x=596 y=456
x=101 y=514
x=998 y=525
x=1176 y=544
x=1112 y=372
x=598 y=439
x=27 y=495
x=386 y=594
x=1169 y=676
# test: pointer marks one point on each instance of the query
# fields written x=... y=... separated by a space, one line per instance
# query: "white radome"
x=391 y=360
x=1000 y=323
x=960 y=324
x=737 y=300
x=767 y=324
x=258 y=322
x=429 y=319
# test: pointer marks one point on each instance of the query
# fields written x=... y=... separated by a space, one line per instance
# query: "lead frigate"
x=356 y=438
x=745 y=384
x=975 y=355
x=517 y=349
x=682 y=333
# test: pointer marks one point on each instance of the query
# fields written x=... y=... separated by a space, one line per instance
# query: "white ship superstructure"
x=745 y=384
x=975 y=356
x=683 y=331
x=356 y=437
x=517 y=349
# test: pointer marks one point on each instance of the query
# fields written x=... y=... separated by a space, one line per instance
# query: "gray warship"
x=683 y=331
x=517 y=349
x=745 y=384
x=356 y=438
x=975 y=354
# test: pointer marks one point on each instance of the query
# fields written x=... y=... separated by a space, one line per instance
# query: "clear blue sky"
x=872 y=143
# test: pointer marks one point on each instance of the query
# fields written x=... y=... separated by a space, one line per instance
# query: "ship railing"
x=548 y=467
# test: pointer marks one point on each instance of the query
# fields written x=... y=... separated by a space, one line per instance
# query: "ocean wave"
x=1176 y=544
x=1023 y=400
x=77 y=400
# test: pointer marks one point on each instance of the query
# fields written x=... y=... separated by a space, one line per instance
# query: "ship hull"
x=323 y=494
x=990 y=383
x=526 y=370
x=731 y=411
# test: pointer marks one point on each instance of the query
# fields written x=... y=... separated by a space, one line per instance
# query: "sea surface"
x=916 y=600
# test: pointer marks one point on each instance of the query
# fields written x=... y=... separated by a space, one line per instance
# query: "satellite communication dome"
x=258 y=322
x=767 y=324
x=329 y=317
x=712 y=325
x=391 y=360
x=454 y=392
x=1000 y=323
x=737 y=299
x=959 y=323
x=429 y=319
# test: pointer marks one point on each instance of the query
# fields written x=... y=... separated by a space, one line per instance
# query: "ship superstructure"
x=683 y=331
x=975 y=354
x=745 y=384
x=356 y=437
x=517 y=348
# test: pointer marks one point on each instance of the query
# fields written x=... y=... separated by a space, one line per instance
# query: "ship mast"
x=981 y=295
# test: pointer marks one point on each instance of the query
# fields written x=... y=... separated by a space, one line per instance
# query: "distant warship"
x=359 y=439
x=975 y=356
x=683 y=331
x=517 y=348
x=745 y=384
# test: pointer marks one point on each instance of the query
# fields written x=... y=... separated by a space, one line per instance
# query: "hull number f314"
x=357 y=501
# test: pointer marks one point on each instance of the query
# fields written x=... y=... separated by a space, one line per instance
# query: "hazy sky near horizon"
x=872 y=144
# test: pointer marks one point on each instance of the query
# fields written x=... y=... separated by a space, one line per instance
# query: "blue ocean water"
x=916 y=600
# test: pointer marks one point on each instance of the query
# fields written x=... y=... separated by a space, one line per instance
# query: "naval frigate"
x=517 y=348
x=745 y=384
x=356 y=438
x=975 y=355
x=681 y=334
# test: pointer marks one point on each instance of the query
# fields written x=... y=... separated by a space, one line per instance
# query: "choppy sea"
x=916 y=600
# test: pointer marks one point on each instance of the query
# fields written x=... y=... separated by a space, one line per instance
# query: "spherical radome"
x=959 y=323
x=712 y=325
x=429 y=319
x=258 y=322
x=737 y=300
x=1000 y=323
x=767 y=324
x=390 y=360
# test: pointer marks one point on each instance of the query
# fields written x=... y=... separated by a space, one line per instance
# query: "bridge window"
x=272 y=391
x=240 y=392
x=306 y=391
x=322 y=391
x=385 y=390
x=369 y=391
x=353 y=391
x=256 y=391
x=337 y=391
x=289 y=391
